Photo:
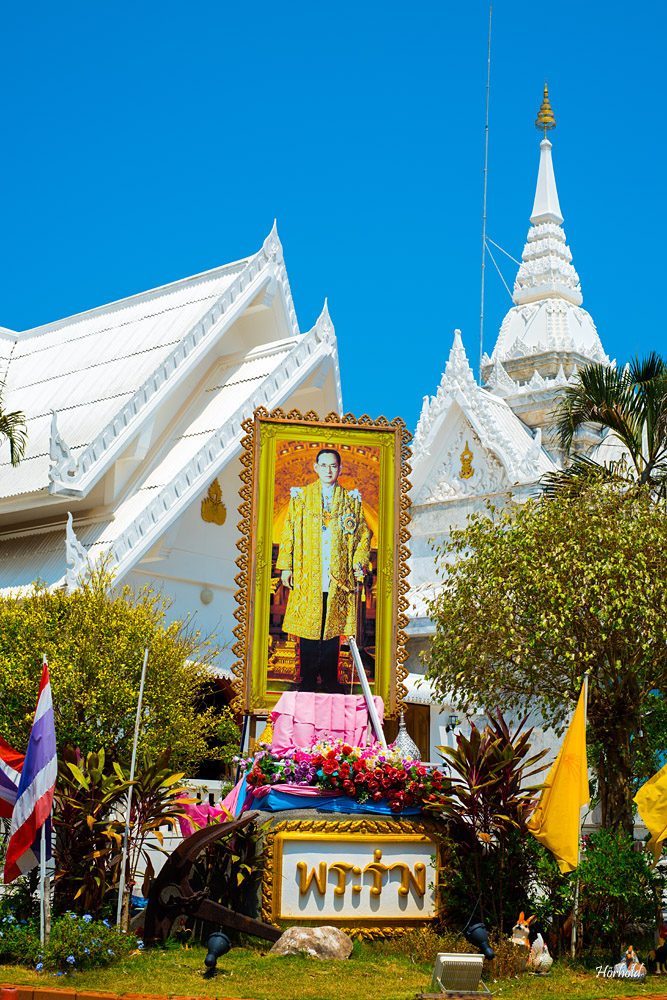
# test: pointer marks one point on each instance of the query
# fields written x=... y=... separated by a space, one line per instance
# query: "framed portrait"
x=323 y=556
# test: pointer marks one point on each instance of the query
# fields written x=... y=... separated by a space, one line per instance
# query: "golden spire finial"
x=545 y=119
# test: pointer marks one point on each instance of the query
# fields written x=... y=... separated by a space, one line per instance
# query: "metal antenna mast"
x=486 y=162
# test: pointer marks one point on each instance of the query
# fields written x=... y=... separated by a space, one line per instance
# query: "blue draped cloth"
x=276 y=801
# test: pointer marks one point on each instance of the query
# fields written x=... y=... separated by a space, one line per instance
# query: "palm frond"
x=600 y=395
x=583 y=473
x=645 y=370
x=13 y=428
x=631 y=402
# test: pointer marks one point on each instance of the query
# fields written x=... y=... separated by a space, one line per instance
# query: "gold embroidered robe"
x=301 y=553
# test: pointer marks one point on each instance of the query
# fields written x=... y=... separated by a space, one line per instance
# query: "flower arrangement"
x=362 y=773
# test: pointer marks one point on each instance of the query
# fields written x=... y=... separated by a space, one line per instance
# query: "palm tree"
x=632 y=405
x=13 y=429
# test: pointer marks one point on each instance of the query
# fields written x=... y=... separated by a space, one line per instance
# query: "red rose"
x=377 y=796
x=421 y=771
x=409 y=800
x=386 y=782
x=360 y=779
x=329 y=766
x=401 y=775
x=372 y=786
x=377 y=774
x=396 y=805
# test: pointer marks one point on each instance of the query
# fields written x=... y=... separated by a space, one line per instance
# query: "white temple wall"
x=196 y=557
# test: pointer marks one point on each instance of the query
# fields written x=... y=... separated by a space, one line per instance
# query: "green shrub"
x=75 y=943
x=19 y=939
x=83 y=943
x=93 y=639
x=616 y=888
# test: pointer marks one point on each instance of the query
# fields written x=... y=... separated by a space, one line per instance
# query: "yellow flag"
x=651 y=802
x=555 y=822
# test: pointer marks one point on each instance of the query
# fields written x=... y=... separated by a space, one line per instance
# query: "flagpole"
x=573 y=944
x=42 y=880
x=42 y=864
x=365 y=687
x=121 y=886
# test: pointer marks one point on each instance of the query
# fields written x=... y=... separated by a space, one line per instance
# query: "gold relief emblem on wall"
x=213 y=509
x=467 y=470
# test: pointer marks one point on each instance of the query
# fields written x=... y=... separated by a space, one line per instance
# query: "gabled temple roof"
x=498 y=428
x=134 y=408
x=105 y=371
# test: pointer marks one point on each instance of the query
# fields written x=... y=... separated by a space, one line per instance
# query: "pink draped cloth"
x=308 y=791
x=303 y=716
x=201 y=814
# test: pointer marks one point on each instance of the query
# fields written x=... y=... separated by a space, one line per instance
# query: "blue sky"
x=145 y=142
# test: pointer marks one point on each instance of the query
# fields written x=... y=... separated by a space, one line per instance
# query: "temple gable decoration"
x=466 y=469
x=468 y=440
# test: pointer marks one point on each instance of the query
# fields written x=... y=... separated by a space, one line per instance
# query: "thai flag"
x=11 y=763
x=35 y=792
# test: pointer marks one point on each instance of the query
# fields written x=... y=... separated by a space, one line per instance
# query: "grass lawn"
x=372 y=973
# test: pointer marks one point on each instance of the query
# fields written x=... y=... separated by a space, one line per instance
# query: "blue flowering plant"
x=79 y=942
x=19 y=938
x=76 y=942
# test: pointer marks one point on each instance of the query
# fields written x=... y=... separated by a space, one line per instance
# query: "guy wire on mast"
x=486 y=162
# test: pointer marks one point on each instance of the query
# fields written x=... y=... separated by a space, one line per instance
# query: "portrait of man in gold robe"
x=323 y=555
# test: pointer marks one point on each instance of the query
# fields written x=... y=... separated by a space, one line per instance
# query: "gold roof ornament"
x=467 y=471
x=213 y=509
x=545 y=119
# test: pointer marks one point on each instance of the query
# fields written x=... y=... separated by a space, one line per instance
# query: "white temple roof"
x=133 y=409
x=499 y=429
x=88 y=366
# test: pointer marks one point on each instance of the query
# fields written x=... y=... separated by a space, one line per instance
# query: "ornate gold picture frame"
x=279 y=455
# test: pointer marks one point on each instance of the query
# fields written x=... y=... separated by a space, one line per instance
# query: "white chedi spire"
x=546 y=271
x=547 y=315
x=546 y=207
